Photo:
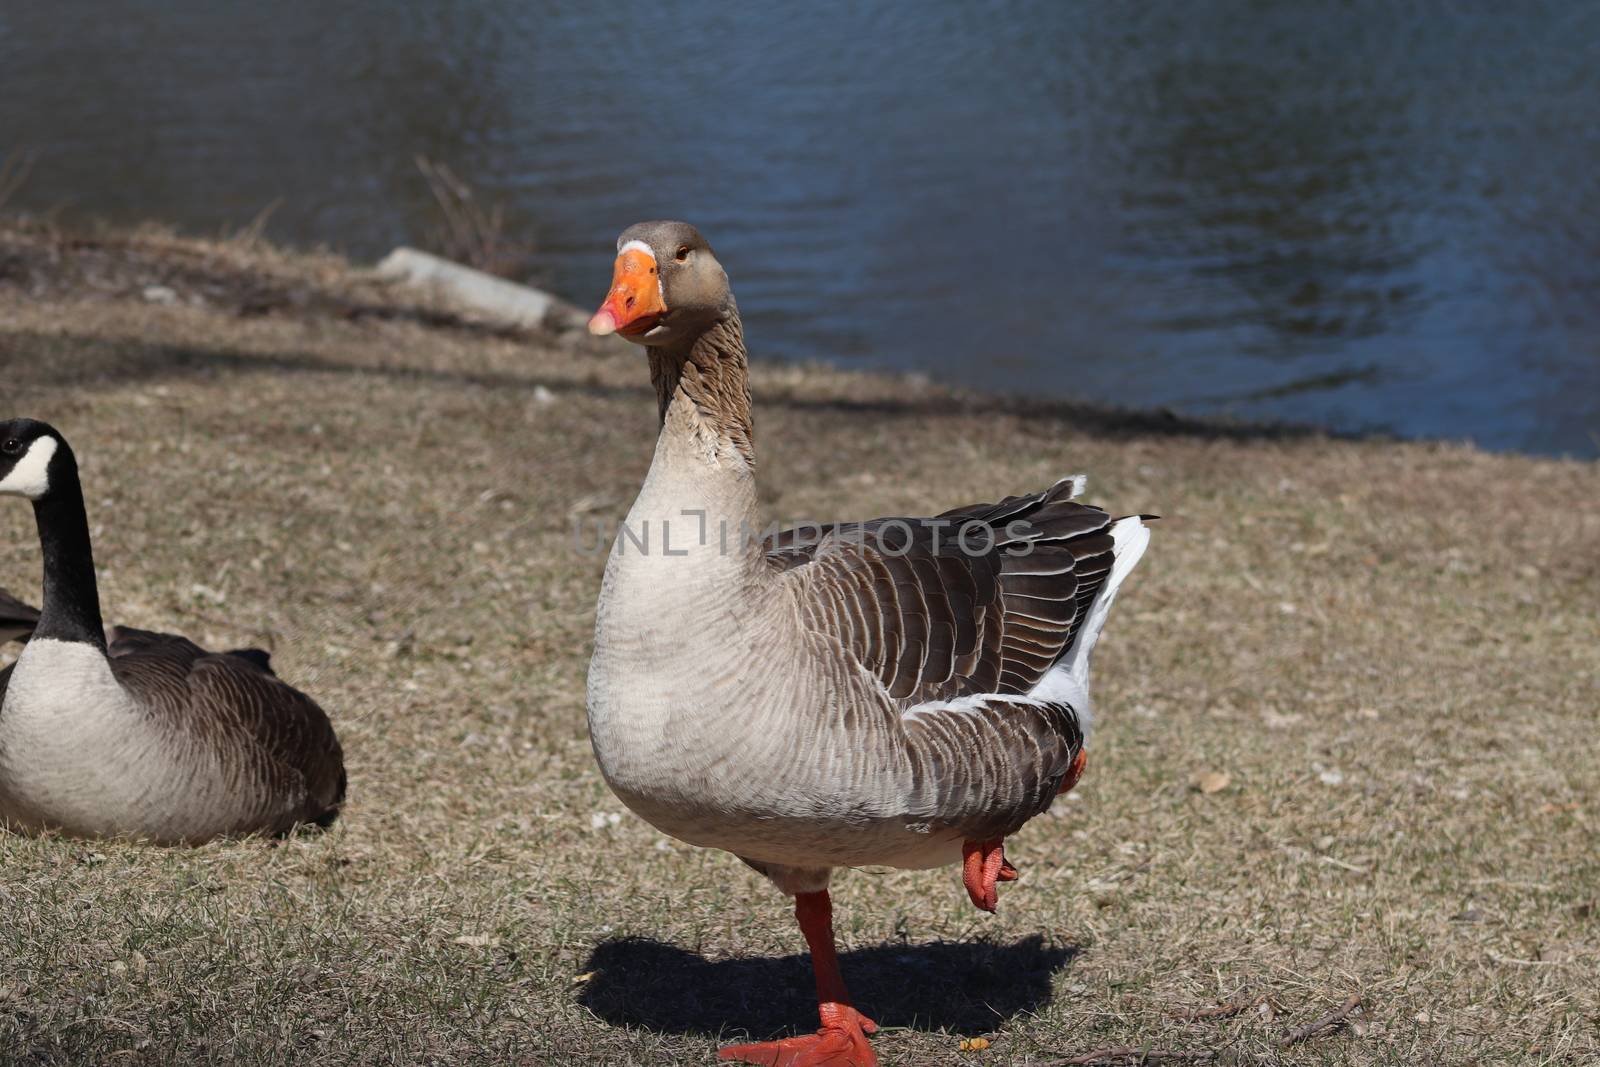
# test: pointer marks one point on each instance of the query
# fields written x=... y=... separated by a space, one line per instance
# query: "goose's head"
x=33 y=457
x=666 y=288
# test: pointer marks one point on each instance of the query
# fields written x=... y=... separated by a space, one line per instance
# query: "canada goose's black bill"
x=635 y=303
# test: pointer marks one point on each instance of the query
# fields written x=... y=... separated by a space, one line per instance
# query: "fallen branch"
x=1226 y=1010
x=1128 y=1056
x=1515 y=962
x=1131 y=1056
x=491 y=298
x=1331 y=1021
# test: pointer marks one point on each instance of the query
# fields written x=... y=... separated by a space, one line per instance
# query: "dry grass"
x=15 y=169
x=1390 y=650
x=469 y=229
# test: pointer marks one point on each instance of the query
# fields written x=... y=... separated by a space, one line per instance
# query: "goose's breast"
x=678 y=732
x=77 y=753
x=772 y=759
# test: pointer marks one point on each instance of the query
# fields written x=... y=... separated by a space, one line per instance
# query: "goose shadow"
x=968 y=987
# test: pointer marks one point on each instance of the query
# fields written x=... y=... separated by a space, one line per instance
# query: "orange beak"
x=634 y=304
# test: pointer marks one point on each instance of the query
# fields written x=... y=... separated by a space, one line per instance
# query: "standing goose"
x=149 y=736
x=902 y=692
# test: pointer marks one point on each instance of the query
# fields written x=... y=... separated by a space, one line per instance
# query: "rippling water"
x=1360 y=214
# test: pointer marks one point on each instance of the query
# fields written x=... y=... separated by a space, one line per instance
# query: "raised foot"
x=1074 y=772
x=983 y=865
x=842 y=1042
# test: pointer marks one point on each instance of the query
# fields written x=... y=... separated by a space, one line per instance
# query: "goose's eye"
x=683 y=253
x=11 y=447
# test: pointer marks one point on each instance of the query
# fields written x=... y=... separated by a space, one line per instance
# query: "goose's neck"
x=71 y=609
x=704 y=393
x=700 y=494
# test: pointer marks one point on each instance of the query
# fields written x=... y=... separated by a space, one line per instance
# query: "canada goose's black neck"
x=710 y=378
x=71 y=596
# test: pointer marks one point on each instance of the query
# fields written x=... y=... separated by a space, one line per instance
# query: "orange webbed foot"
x=842 y=1042
x=983 y=865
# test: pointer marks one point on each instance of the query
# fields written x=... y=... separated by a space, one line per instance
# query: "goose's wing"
x=232 y=697
x=976 y=625
x=984 y=599
x=125 y=640
x=17 y=619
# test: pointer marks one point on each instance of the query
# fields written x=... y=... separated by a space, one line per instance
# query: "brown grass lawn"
x=1391 y=651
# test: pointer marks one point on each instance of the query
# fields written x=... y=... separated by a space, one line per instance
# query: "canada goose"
x=902 y=692
x=148 y=736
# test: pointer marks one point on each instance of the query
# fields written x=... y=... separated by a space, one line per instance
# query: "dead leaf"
x=1211 y=782
x=974 y=1044
x=580 y=979
x=476 y=941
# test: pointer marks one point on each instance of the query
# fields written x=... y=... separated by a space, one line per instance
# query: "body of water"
x=1363 y=214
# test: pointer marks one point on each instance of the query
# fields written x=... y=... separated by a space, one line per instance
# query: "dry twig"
x=14 y=171
x=1226 y=1010
x=470 y=232
x=1316 y=1027
x=1129 y=1056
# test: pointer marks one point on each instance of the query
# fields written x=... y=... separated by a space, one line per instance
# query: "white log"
x=490 y=297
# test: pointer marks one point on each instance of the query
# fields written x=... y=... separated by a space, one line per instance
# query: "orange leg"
x=842 y=1040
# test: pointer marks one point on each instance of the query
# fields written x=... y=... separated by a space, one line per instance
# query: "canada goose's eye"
x=683 y=253
x=11 y=447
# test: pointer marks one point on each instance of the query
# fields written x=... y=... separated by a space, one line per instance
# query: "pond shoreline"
x=249 y=277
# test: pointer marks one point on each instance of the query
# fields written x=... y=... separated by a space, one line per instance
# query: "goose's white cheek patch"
x=31 y=476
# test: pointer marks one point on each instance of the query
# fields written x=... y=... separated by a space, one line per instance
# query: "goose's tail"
x=1068 y=680
x=17 y=619
x=1129 y=538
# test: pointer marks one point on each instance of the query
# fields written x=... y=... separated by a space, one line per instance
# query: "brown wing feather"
x=935 y=614
x=1022 y=748
x=236 y=705
x=17 y=619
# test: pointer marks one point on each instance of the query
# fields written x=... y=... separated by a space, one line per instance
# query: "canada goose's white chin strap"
x=31 y=476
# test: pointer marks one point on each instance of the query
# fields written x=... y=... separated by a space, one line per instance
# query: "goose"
x=148 y=735
x=904 y=692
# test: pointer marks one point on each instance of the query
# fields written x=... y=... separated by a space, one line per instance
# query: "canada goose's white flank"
x=881 y=692
x=145 y=735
